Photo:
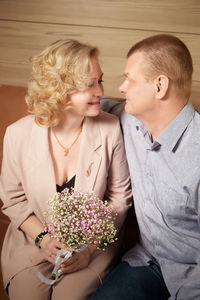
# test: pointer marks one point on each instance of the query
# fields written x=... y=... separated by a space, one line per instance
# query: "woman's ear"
x=161 y=86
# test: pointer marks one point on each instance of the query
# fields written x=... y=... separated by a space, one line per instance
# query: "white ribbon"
x=62 y=255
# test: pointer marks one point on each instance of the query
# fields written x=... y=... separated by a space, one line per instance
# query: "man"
x=161 y=132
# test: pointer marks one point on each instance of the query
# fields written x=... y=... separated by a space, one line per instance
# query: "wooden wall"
x=27 y=26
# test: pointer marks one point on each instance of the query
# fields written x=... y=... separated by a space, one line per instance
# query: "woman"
x=65 y=141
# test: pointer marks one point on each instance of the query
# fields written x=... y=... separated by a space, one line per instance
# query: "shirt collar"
x=170 y=137
x=141 y=127
x=172 y=134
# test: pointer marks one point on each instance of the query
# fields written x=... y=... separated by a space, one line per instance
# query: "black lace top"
x=69 y=184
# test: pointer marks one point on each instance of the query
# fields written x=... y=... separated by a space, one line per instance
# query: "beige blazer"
x=27 y=179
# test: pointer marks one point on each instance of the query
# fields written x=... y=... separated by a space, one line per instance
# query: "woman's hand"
x=50 y=247
x=77 y=261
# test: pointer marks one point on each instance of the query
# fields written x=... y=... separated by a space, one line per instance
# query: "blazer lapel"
x=89 y=156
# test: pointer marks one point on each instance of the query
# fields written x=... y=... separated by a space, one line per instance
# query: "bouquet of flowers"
x=79 y=219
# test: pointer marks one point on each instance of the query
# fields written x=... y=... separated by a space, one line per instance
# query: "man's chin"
x=127 y=109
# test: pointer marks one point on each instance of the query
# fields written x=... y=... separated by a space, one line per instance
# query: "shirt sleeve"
x=15 y=203
x=112 y=106
x=190 y=288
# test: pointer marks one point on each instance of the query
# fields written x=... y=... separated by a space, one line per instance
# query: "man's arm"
x=190 y=288
x=112 y=106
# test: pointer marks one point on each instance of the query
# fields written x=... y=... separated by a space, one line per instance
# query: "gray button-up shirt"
x=165 y=176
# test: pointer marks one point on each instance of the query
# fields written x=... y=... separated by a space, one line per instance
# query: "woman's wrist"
x=40 y=237
x=45 y=240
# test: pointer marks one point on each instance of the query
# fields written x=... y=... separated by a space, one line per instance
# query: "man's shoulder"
x=115 y=107
x=196 y=118
x=197 y=114
x=195 y=124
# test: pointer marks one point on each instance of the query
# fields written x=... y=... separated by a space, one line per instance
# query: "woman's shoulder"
x=23 y=123
x=21 y=127
x=109 y=125
x=107 y=118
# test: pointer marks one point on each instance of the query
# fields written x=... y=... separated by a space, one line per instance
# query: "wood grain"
x=19 y=41
x=166 y=15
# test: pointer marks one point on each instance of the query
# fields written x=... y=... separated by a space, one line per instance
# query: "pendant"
x=66 y=152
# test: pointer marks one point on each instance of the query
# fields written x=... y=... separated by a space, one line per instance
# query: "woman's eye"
x=91 y=85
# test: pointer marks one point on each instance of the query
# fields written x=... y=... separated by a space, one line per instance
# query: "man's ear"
x=161 y=84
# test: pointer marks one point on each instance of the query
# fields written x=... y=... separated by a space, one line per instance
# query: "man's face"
x=138 y=91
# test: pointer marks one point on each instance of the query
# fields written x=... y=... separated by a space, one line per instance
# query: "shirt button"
x=149 y=174
x=162 y=262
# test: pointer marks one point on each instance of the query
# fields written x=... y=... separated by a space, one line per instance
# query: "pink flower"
x=76 y=217
x=50 y=227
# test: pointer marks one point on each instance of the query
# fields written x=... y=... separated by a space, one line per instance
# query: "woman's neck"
x=70 y=123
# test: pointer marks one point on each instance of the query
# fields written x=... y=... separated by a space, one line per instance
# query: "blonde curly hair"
x=60 y=70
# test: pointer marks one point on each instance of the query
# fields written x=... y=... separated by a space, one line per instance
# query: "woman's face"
x=87 y=103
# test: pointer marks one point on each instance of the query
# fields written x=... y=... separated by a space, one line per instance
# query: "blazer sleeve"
x=15 y=203
x=119 y=193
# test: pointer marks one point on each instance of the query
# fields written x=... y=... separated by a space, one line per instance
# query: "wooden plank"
x=195 y=96
x=18 y=41
x=166 y=15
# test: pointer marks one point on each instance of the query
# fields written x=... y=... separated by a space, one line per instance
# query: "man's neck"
x=158 y=122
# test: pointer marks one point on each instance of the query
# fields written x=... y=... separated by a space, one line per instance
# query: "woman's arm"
x=15 y=203
x=33 y=227
x=119 y=193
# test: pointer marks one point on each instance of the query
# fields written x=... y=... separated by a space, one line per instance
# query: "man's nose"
x=122 y=88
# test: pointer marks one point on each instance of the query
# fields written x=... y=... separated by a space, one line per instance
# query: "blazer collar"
x=89 y=161
x=39 y=142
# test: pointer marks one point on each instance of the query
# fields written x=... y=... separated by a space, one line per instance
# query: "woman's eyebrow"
x=94 y=78
x=127 y=74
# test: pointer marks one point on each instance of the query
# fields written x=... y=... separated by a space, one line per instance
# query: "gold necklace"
x=66 y=150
